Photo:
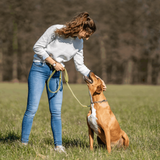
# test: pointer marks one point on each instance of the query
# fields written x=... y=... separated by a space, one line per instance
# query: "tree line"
x=125 y=49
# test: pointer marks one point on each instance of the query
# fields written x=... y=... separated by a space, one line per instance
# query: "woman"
x=57 y=45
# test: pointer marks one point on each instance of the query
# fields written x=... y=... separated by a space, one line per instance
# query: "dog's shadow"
x=11 y=136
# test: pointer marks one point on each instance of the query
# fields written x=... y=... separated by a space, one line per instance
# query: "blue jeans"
x=37 y=79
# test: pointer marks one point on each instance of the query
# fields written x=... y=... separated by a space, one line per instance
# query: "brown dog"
x=101 y=119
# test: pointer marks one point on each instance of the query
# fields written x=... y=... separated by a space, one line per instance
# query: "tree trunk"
x=158 y=76
x=128 y=72
x=103 y=61
x=158 y=79
x=1 y=66
x=113 y=73
x=15 y=54
x=149 y=72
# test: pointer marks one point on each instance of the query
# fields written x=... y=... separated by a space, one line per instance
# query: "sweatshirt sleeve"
x=79 y=63
x=43 y=41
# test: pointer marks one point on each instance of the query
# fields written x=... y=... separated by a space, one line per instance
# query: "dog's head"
x=94 y=83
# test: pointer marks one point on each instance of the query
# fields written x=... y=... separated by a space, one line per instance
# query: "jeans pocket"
x=38 y=64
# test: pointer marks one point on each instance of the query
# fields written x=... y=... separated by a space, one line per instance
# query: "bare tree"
x=1 y=66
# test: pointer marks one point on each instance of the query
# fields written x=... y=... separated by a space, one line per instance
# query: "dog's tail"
x=125 y=138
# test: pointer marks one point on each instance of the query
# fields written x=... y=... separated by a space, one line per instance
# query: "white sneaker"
x=25 y=144
x=60 y=149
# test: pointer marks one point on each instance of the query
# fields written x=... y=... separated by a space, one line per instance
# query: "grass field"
x=137 y=109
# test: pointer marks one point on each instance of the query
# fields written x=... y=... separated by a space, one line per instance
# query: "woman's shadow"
x=11 y=136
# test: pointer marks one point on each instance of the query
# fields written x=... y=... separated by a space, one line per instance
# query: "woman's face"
x=83 y=34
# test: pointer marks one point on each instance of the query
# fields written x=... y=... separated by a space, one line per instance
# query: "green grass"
x=137 y=109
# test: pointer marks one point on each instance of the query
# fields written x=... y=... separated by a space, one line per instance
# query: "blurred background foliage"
x=125 y=49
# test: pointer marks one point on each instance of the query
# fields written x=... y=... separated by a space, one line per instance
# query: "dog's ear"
x=99 y=89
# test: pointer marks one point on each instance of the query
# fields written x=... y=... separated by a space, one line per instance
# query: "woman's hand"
x=59 y=67
x=104 y=85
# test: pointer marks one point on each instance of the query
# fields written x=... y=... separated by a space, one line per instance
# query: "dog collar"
x=99 y=101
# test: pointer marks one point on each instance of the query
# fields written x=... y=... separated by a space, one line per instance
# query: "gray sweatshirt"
x=60 y=49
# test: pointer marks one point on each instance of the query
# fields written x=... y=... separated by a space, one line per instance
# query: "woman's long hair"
x=80 y=22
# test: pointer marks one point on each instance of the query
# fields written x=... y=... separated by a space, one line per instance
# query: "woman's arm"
x=43 y=41
x=79 y=63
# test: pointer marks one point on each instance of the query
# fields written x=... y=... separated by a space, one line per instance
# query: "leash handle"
x=60 y=79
